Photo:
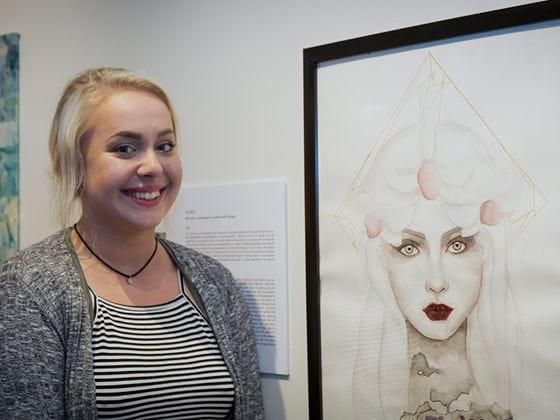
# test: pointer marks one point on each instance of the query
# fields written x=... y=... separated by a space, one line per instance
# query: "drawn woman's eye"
x=456 y=247
x=408 y=250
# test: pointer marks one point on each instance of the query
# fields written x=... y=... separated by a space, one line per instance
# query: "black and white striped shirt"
x=158 y=362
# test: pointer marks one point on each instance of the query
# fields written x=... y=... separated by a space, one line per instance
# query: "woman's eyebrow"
x=139 y=136
x=451 y=232
x=165 y=132
x=128 y=134
x=419 y=235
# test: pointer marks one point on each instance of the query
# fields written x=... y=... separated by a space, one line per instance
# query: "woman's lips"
x=437 y=311
x=146 y=196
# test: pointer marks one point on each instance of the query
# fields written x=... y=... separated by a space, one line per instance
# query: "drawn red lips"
x=437 y=311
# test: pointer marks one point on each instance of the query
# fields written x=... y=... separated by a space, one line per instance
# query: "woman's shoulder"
x=41 y=286
x=48 y=258
x=40 y=251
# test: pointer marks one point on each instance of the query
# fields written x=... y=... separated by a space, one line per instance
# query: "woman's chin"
x=143 y=221
x=437 y=330
x=438 y=336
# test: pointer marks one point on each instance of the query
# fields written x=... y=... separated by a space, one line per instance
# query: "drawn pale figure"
x=438 y=331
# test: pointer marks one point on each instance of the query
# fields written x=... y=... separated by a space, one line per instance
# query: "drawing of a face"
x=435 y=272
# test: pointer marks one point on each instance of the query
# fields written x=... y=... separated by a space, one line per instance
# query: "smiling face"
x=132 y=169
x=435 y=272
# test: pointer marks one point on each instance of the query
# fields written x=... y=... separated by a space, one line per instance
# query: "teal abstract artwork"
x=9 y=145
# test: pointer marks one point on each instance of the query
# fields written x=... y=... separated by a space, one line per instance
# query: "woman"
x=105 y=319
x=438 y=329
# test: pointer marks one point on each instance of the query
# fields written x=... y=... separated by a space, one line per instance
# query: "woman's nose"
x=436 y=282
x=150 y=165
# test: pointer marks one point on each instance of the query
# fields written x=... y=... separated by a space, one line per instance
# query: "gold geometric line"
x=536 y=187
x=420 y=87
x=424 y=100
x=523 y=226
x=537 y=211
x=395 y=112
x=347 y=198
x=534 y=198
x=438 y=97
x=351 y=239
x=529 y=218
x=496 y=138
x=523 y=216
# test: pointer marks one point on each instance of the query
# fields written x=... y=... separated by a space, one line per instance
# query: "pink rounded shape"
x=374 y=225
x=490 y=213
x=429 y=180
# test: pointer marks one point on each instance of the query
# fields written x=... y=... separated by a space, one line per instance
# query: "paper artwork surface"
x=438 y=191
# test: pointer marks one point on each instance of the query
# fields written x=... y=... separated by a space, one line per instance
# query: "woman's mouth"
x=437 y=311
x=145 y=196
x=148 y=196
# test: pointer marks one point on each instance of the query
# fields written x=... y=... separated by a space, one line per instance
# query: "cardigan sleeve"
x=46 y=368
x=245 y=346
x=32 y=356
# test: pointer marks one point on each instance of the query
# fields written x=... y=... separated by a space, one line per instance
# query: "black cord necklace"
x=128 y=276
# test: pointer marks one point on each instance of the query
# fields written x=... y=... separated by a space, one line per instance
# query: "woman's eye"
x=456 y=247
x=166 y=147
x=408 y=250
x=123 y=149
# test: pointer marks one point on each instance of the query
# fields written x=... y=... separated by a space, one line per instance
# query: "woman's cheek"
x=408 y=280
x=464 y=274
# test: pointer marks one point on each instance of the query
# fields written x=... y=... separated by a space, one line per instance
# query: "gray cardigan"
x=46 y=364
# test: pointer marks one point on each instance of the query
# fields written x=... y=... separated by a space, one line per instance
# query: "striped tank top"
x=158 y=362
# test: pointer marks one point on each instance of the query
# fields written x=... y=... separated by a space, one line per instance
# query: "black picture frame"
x=442 y=31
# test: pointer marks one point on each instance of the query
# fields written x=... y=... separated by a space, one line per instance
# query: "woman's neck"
x=124 y=248
x=438 y=352
x=439 y=370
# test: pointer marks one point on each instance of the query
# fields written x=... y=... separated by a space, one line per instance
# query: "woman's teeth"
x=144 y=195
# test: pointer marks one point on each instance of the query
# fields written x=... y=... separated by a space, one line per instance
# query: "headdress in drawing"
x=437 y=147
x=439 y=161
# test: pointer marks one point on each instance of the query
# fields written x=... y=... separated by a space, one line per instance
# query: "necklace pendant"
x=129 y=280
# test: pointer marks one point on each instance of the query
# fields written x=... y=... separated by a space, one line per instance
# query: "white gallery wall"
x=234 y=70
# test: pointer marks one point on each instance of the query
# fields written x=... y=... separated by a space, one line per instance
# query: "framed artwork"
x=432 y=160
x=9 y=145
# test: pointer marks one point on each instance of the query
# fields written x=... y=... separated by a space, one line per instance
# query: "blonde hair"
x=72 y=120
